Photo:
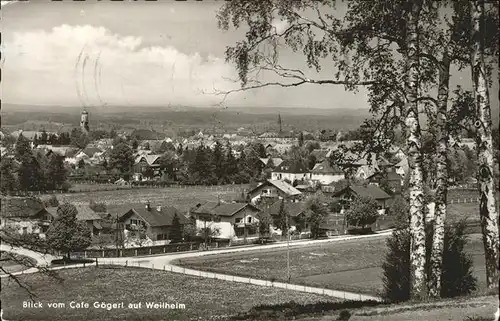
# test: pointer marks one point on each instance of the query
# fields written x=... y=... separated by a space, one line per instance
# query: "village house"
x=85 y=214
x=388 y=178
x=298 y=222
x=325 y=174
x=24 y=215
x=147 y=167
x=291 y=171
x=234 y=221
x=349 y=193
x=271 y=162
x=272 y=190
x=155 y=221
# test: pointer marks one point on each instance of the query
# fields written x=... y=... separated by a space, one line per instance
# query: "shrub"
x=363 y=211
x=456 y=279
x=52 y=201
x=98 y=207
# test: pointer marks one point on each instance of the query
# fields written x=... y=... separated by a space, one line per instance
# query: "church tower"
x=84 y=121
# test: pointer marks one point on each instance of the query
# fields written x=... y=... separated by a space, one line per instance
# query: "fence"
x=149 y=250
x=93 y=187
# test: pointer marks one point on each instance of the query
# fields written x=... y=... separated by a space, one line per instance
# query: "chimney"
x=158 y=208
x=148 y=206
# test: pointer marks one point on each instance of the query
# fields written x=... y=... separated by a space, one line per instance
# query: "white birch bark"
x=487 y=207
x=414 y=144
x=436 y=259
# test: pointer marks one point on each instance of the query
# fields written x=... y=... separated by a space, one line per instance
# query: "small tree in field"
x=316 y=213
x=265 y=221
x=66 y=234
x=176 y=232
x=363 y=211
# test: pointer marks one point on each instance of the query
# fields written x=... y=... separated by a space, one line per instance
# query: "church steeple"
x=84 y=121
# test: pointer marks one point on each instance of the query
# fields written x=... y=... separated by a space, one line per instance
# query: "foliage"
x=52 y=201
x=56 y=174
x=121 y=158
x=66 y=233
x=400 y=211
x=98 y=207
x=209 y=232
x=30 y=174
x=78 y=138
x=265 y=221
x=283 y=219
x=189 y=232
x=363 y=211
x=23 y=147
x=176 y=231
x=8 y=180
x=456 y=279
x=316 y=213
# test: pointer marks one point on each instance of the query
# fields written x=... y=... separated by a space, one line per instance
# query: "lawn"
x=204 y=299
x=348 y=265
x=14 y=262
x=180 y=197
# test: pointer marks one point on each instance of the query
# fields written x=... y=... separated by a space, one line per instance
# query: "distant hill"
x=256 y=118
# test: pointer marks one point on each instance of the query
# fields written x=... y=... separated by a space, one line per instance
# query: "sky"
x=98 y=53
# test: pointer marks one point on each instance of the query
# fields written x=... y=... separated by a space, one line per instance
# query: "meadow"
x=204 y=299
x=353 y=265
x=181 y=197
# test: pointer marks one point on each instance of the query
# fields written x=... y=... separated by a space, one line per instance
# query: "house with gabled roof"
x=296 y=211
x=157 y=221
x=25 y=215
x=349 y=193
x=85 y=214
x=325 y=174
x=290 y=170
x=389 y=178
x=233 y=220
x=272 y=190
x=147 y=166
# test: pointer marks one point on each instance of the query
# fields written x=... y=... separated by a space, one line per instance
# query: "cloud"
x=91 y=65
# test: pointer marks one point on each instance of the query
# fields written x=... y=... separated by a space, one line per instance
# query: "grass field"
x=204 y=299
x=348 y=265
x=180 y=197
x=15 y=263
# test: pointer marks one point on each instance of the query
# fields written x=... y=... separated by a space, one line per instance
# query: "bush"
x=52 y=201
x=456 y=279
x=98 y=207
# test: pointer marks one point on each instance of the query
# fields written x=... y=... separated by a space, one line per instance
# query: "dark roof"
x=288 y=166
x=25 y=207
x=320 y=154
x=221 y=209
x=390 y=176
x=154 y=217
x=293 y=209
x=372 y=191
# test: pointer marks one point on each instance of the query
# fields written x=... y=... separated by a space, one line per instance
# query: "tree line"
x=32 y=171
x=402 y=52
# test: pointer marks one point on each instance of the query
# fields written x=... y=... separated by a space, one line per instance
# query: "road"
x=165 y=262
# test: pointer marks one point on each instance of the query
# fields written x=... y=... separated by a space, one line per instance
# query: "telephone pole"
x=287 y=250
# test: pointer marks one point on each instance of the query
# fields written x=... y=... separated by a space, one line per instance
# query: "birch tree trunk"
x=414 y=144
x=441 y=177
x=487 y=205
